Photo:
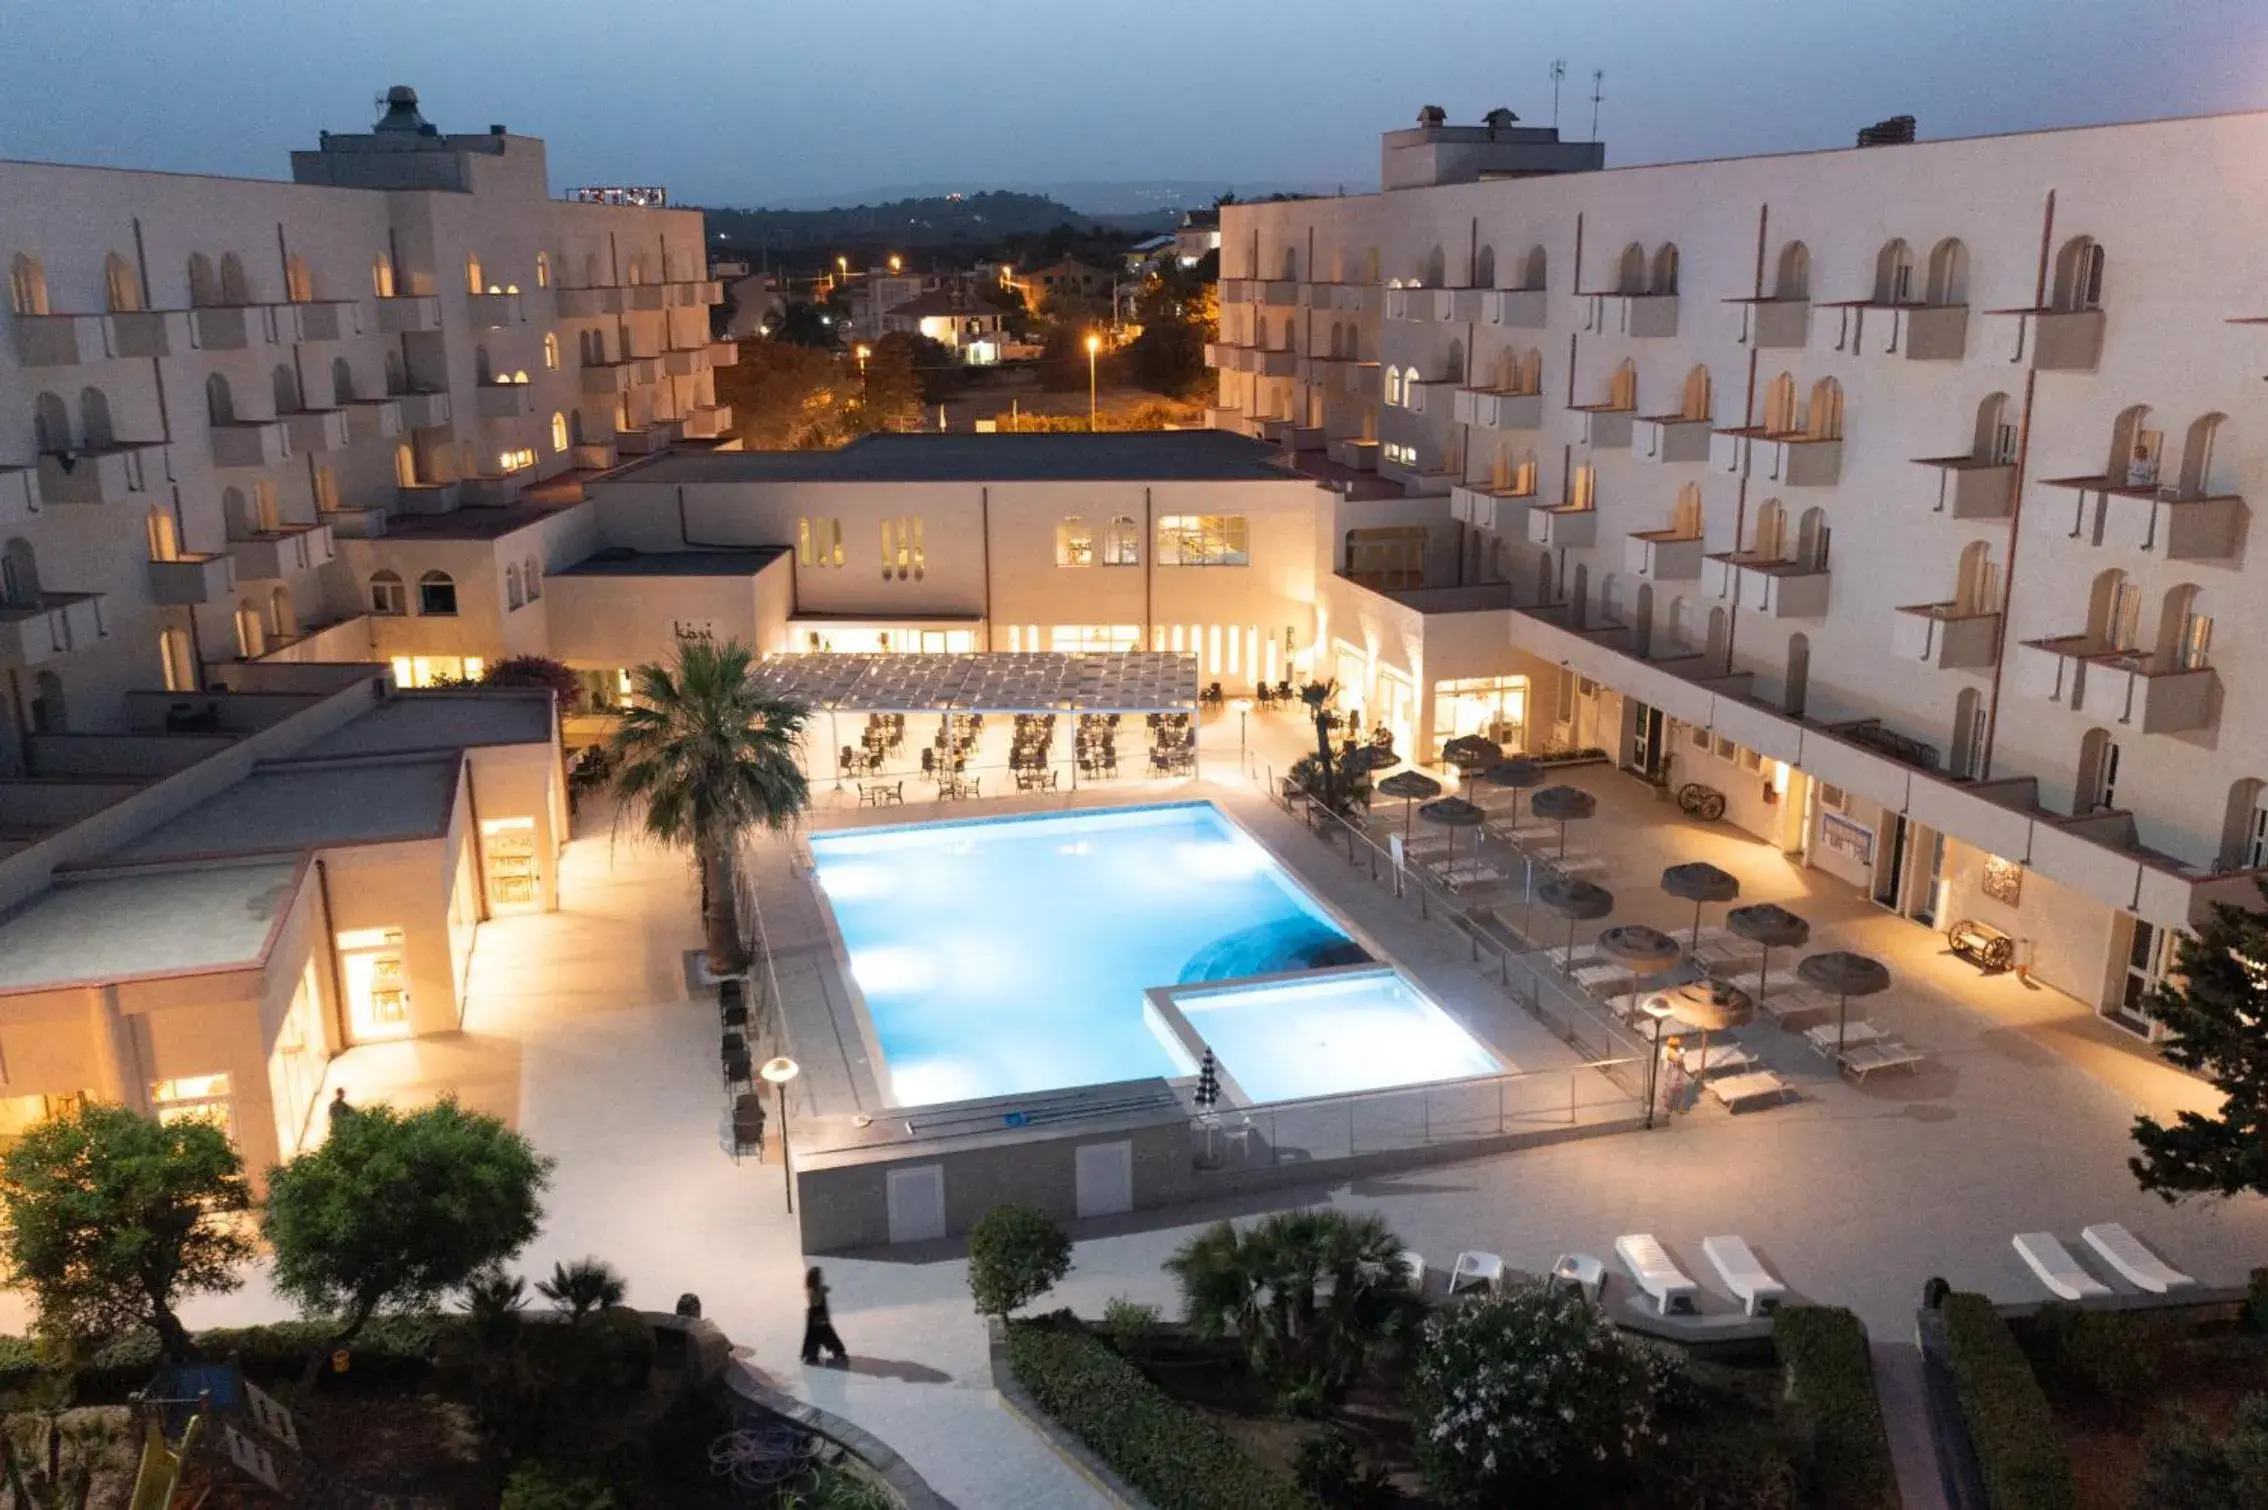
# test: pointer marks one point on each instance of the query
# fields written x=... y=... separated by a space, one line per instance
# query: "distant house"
x=957 y=318
x=1070 y=276
x=1144 y=255
x=1200 y=232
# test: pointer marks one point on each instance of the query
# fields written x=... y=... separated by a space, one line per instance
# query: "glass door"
x=508 y=848
x=1646 y=741
x=377 y=984
x=2149 y=954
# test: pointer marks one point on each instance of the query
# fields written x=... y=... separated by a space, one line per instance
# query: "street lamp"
x=778 y=1072
x=1094 y=345
x=863 y=353
x=842 y=265
x=895 y=264
x=1243 y=707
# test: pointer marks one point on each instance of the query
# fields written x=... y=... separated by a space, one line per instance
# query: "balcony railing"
x=1498 y=411
x=2121 y=515
x=1646 y=316
x=1662 y=555
x=1946 y=635
x=2109 y=684
x=1563 y=526
x=708 y=423
x=424 y=411
x=57 y=624
x=588 y=303
x=1777 y=587
x=1501 y=510
x=1515 y=308
x=409 y=314
x=1276 y=293
x=1919 y=332
x=62 y=340
x=1605 y=427
x=325 y=319
x=376 y=418
x=267 y=555
x=188 y=581
x=1774 y=324
x=1414 y=304
x=1671 y=438
x=320 y=429
x=1972 y=487
x=2062 y=340
x=1354 y=298
x=1790 y=459
x=241 y=327
x=113 y=474
x=509 y=400
x=495 y=310
x=251 y=443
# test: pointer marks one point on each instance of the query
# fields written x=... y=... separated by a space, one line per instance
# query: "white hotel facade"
x=1899 y=492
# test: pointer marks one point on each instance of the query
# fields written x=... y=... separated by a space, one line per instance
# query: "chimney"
x=401 y=112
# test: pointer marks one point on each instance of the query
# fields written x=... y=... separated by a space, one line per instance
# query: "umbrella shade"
x=1563 y=802
x=1208 y=1082
x=1647 y=951
x=1842 y=973
x=1518 y=773
x=1710 y=1005
x=1699 y=881
x=1471 y=751
x=1769 y=924
x=1363 y=759
x=1412 y=785
x=1575 y=899
x=1452 y=812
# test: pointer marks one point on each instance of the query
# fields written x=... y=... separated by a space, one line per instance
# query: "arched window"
x=1532 y=273
x=1948 y=273
x=27 y=285
x=1484 y=268
x=2079 y=275
x=1642 y=629
x=543 y=270
x=397 y=374
x=2197 y=456
x=1528 y=376
x=284 y=382
x=388 y=599
x=94 y=419
x=173 y=661
x=473 y=284
x=2114 y=611
x=2244 y=829
x=532 y=579
x=551 y=350
x=1291 y=264
x=1894 y=273
x=1630 y=273
x=1453 y=363
x=204 y=284
x=1685 y=514
x=299 y=280
x=264 y=510
x=1771 y=539
x=1811 y=539
x=1695 y=404
x=1792 y=278
x=1665 y=269
x=1393 y=385
x=251 y=633
x=2185 y=630
x=220 y=404
x=2135 y=449
x=558 y=431
x=1436 y=270
x=1622 y=388
x=1968 y=735
x=51 y=424
x=1370 y=265
x=405 y=465
x=119 y=285
x=1074 y=542
x=1795 y=685
x=1720 y=634
x=1780 y=406
x=512 y=598
x=283 y=623
x=2098 y=774
x=1823 y=417
x=437 y=595
x=234 y=289
x=164 y=539
x=19 y=574
x=342 y=380
x=1976 y=582
x=382 y=276
x=484 y=370
x=326 y=490
x=1994 y=439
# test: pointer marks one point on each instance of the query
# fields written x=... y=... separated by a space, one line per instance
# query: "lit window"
x=473 y=285
x=1122 y=543
x=387 y=596
x=1202 y=540
x=1074 y=542
x=551 y=351
x=199 y=1098
x=559 y=432
x=543 y=270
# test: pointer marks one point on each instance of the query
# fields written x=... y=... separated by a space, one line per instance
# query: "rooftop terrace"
x=1146 y=456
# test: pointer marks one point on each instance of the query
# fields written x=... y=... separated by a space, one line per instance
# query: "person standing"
x=339 y=1109
x=818 y=1324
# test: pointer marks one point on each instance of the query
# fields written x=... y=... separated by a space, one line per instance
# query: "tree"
x=113 y=1218
x=1311 y=1295
x=2192 y=1465
x=556 y=677
x=787 y=397
x=888 y=396
x=398 y=1210
x=1016 y=1255
x=583 y=1287
x=1179 y=312
x=709 y=757
x=2217 y=1020
x=1317 y=696
x=803 y=323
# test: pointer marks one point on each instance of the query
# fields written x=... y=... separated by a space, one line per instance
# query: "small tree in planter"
x=1016 y=1254
x=555 y=677
x=1531 y=1397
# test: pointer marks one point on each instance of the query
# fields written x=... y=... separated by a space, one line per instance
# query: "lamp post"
x=895 y=264
x=1094 y=345
x=1243 y=707
x=778 y=1072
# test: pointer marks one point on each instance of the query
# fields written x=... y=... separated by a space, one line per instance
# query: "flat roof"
x=437 y=719
x=160 y=921
x=306 y=807
x=621 y=561
x=467 y=523
x=957 y=456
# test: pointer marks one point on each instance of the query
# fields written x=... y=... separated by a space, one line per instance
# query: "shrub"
x=1130 y=1328
x=582 y=1287
x=1175 y=1457
x=1327 y=1470
x=2256 y=1301
x=547 y=1486
x=2019 y=1450
x=1830 y=1383
x=1530 y=1395
x=835 y=1488
x=2191 y=1465
x=2112 y=1356
x=1016 y=1254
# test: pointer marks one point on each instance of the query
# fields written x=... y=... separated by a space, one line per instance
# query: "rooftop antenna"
x=1558 y=72
x=1598 y=93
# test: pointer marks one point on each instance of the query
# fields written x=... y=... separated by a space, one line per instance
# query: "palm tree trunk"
x=720 y=921
x=1323 y=754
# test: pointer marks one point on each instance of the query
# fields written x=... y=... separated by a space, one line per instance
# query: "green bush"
x=547 y=1486
x=1830 y=1385
x=391 y=1350
x=2256 y=1302
x=1327 y=1469
x=2113 y=1356
x=831 y=1487
x=2018 y=1446
x=2191 y=1465
x=1175 y=1457
x=1016 y=1254
x=1130 y=1328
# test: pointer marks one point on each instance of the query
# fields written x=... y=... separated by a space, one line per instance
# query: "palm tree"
x=710 y=757
x=584 y=1286
x=1317 y=696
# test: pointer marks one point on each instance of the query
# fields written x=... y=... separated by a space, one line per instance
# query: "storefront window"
x=1495 y=708
x=377 y=983
x=202 y=1098
x=508 y=848
x=20 y=1114
x=295 y=1068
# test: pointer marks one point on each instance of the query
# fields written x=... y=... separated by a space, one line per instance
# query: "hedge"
x=1173 y=1455
x=2018 y=1445
x=1830 y=1381
x=391 y=1349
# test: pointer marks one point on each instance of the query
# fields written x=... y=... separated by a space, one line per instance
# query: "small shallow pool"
x=1345 y=1031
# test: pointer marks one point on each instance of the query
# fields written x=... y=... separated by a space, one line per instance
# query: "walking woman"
x=818 y=1326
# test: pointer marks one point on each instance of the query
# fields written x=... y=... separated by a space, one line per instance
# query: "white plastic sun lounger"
x=1476 y=1271
x=2055 y=1266
x=1744 y=1273
x=1413 y=1264
x=1656 y=1272
x=2135 y=1264
x=1862 y=1060
x=1724 y=1057
x=1755 y=1088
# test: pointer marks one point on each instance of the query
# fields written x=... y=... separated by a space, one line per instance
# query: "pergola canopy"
x=1030 y=681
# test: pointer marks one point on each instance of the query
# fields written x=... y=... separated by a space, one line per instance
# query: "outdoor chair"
x=731 y=991
x=739 y=1069
x=2135 y=1264
x=1476 y=1270
x=1726 y=1058
x=736 y=1017
x=748 y=1124
x=1744 y=1274
x=1656 y=1272
x=2056 y=1268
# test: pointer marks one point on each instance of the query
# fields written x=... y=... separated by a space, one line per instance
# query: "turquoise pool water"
x=1348 y=1031
x=1010 y=955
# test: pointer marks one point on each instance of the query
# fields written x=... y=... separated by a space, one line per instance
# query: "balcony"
x=1789 y=460
x=1226 y=356
x=62 y=340
x=1282 y=363
x=709 y=422
x=1972 y=487
x=1415 y=304
x=190 y=581
x=409 y=314
x=251 y=443
x=1606 y=428
x=1321 y=372
x=1671 y=438
x=425 y=411
x=2145 y=517
x=2062 y=340
x=1354 y=453
x=59 y=623
x=617 y=377
x=696 y=293
x=1662 y=556
x=642 y=297
x=724 y=353
x=645 y=440
x=149 y=332
x=1235 y=290
x=1318 y=295
x=494 y=310
x=1775 y=588
x=1946 y=635
x=1354 y=298
x=588 y=303
x=267 y=555
x=686 y=363
x=1362 y=379
x=1498 y=510
x=506 y=400
x=1276 y=293
x=1645 y=316
x=1774 y=324
x=374 y=418
x=495 y=490
x=1460 y=306
x=2125 y=687
x=238 y=327
x=325 y=320
x=1498 y=411
x=1920 y=332
x=114 y=474
x=1563 y=527
x=1515 y=308
x=426 y=498
x=320 y=429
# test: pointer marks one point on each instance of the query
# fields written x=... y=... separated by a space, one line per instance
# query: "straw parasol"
x=1770 y=926
x=1561 y=803
x=1698 y=882
x=1412 y=787
x=1707 y=1004
x=1452 y=813
x=1576 y=900
x=1844 y=975
x=1470 y=752
x=1208 y=1093
x=1643 y=951
x=1518 y=773
x=1363 y=759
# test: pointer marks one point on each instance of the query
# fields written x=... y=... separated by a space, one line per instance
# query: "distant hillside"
x=933 y=221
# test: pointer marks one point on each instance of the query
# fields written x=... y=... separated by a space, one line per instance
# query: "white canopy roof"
x=1039 y=681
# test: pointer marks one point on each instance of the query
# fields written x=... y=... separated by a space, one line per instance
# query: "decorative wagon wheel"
x=1712 y=807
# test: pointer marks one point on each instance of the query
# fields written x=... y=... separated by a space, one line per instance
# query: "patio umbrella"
x=1363 y=759
x=1208 y=1092
x=1563 y=803
x=1643 y=951
x=1710 y=1005
x=1412 y=786
x=1470 y=752
x=1518 y=773
x=1844 y=975
x=1453 y=813
x=1698 y=882
x=1574 y=899
x=1770 y=926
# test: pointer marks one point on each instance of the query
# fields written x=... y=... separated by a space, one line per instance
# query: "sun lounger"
x=1603 y=977
x=2135 y=1264
x=1862 y=1060
x=1722 y=1059
x=1850 y=1035
x=1757 y=1087
x=1476 y=1271
x=1656 y=1272
x=1413 y=1264
x=1744 y=1274
x=2055 y=1266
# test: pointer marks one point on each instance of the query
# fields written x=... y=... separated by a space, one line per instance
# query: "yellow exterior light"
x=1094 y=344
x=895 y=264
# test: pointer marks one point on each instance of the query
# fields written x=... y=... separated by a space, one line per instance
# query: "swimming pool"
x=1348 y=1030
x=1011 y=955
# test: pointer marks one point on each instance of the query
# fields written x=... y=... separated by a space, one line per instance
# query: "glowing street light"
x=895 y=264
x=864 y=351
x=778 y=1072
x=1094 y=345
